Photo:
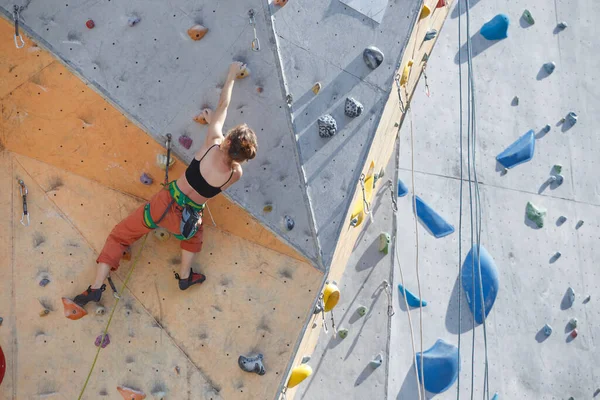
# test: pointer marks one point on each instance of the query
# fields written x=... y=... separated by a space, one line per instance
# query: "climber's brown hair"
x=243 y=145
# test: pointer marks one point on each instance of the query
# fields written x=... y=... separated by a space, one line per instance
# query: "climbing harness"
x=112 y=312
x=25 y=216
x=255 y=42
x=19 y=42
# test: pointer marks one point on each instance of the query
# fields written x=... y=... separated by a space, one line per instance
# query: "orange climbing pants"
x=126 y=232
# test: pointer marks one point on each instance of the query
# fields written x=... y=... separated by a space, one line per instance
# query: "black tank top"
x=197 y=181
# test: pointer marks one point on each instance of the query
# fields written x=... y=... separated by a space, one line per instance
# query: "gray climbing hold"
x=373 y=57
x=557 y=255
x=289 y=99
x=587 y=299
x=549 y=67
x=305 y=359
x=571 y=118
x=579 y=224
x=546 y=128
x=146 y=179
x=562 y=25
x=431 y=34
x=252 y=364
x=571 y=296
x=535 y=214
x=133 y=20
x=362 y=310
x=44 y=282
x=1 y=320
x=343 y=333
x=573 y=323
x=105 y=341
x=289 y=223
x=515 y=101
x=353 y=108
x=377 y=361
x=327 y=126
x=562 y=219
x=547 y=330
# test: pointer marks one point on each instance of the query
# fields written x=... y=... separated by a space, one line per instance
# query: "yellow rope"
x=111 y=316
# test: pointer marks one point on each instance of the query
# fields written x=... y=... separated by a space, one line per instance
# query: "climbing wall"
x=179 y=333
x=324 y=43
x=161 y=79
x=342 y=365
x=523 y=362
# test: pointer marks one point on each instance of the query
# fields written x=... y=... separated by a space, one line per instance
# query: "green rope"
x=111 y=316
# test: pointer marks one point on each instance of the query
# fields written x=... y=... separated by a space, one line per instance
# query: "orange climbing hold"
x=131 y=394
x=197 y=32
x=244 y=72
x=72 y=310
x=201 y=118
x=127 y=254
x=281 y=3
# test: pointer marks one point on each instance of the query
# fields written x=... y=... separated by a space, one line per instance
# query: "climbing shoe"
x=193 y=279
x=89 y=295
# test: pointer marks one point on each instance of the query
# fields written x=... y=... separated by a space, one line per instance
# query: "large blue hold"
x=440 y=366
x=472 y=287
x=496 y=28
x=519 y=152
x=411 y=299
x=432 y=220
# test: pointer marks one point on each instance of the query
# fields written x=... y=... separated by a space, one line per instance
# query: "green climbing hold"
x=558 y=168
x=384 y=242
x=362 y=310
x=536 y=214
x=528 y=17
x=343 y=333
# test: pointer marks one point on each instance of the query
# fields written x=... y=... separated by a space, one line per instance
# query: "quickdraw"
x=169 y=137
x=390 y=185
x=19 y=42
x=255 y=41
x=366 y=206
x=25 y=216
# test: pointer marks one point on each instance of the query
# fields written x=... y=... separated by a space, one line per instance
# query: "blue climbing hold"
x=572 y=118
x=432 y=220
x=496 y=396
x=402 y=189
x=519 y=152
x=411 y=299
x=496 y=28
x=471 y=282
x=440 y=366
x=549 y=67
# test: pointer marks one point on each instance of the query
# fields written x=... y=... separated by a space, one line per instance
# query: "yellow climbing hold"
x=300 y=373
x=358 y=211
x=425 y=11
x=406 y=73
x=331 y=296
x=316 y=87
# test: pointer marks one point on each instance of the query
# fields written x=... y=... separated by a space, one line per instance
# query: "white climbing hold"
x=133 y=20
x=377 y=361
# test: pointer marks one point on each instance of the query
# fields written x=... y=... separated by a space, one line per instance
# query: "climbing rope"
x=460 y=196
x=111 y=316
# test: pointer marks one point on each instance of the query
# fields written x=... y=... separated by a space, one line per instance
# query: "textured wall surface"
x=162 y=79
x=522 y=362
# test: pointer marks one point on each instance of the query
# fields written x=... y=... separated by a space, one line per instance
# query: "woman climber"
x=179 y=206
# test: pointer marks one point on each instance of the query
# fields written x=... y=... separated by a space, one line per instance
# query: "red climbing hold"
x=72 y=310
x=441 y=3
x=90 y=24
x=185 y=141
x=130 y=394
x=2 y=365
x=574 y=333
